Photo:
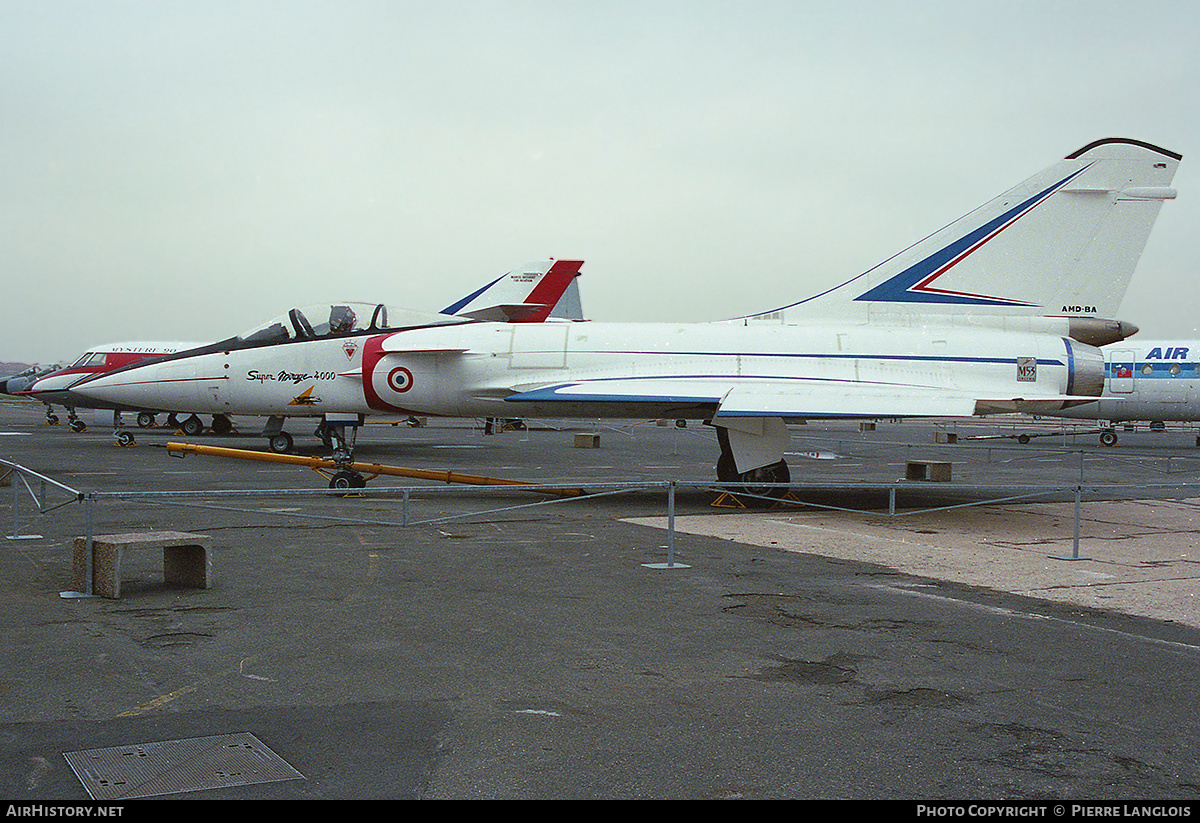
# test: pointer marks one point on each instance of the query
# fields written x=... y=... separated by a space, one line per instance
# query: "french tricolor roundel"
x=384 y=381
x=400 y=380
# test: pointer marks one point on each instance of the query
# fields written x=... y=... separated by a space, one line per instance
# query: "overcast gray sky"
x=182 y=170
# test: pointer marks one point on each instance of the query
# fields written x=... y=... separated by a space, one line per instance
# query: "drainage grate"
x=173 y=766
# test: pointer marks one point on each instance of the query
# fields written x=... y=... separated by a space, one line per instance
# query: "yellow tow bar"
x=322 y=465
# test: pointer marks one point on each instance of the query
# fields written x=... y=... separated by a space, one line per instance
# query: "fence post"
x=671 y=522
x=670 y=564
x=87 y=507
x=1075 y=552
x=17 y=480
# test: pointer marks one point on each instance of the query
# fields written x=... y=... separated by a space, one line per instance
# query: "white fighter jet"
x=1002 y=310
x=294 y=364
x=19 y=381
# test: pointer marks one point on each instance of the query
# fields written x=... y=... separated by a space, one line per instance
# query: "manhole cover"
x=173 y=766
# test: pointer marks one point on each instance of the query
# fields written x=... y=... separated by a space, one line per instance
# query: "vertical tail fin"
x=527 y=294
x=1064 y=242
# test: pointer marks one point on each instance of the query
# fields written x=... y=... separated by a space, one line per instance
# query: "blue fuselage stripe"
x=914 y=358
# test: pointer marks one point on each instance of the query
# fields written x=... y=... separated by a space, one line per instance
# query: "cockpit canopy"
x=316 y=321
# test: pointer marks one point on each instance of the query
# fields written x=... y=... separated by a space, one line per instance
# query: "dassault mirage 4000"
x=294 y=365
x=1002 y=310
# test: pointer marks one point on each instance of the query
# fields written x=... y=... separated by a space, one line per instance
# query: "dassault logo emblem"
x=305 y=398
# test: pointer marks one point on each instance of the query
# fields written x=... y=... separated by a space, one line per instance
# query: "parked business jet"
x=256 y=372
x=53 y=388
x=1000 y=311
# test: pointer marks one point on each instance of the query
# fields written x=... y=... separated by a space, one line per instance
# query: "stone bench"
x=187 y=560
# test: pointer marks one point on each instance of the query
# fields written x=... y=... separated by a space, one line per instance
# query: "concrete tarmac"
x=493 y=648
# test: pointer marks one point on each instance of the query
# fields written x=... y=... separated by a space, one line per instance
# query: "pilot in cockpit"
x=341 y=320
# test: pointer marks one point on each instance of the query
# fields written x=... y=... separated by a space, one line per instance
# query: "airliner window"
x=81 y=361
x=1147 y=369
x=1176 y=369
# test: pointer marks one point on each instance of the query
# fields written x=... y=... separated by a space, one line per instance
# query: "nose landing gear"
x=334 y=427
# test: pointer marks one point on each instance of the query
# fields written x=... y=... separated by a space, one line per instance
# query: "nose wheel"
x=123 y=436
x=347 y=479
x=343 y=451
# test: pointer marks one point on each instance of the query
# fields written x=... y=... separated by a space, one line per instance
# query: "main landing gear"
x=73 y=421
x=191 y=425
x=338 y=433
x=765 y=481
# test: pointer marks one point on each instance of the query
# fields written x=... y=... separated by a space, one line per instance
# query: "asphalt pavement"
x=870 y=637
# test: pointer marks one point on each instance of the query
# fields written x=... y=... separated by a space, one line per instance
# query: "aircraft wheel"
x=1022 y=438
x=758 y=482
x=192 y=426
x=145 y=420
x=52 y=419
x=280 y=443
x=78 y=426
x=726 y=472
x=221 y=424
x=754 y=482
x=125 y=439
x=347 y=480
x=1108 y=438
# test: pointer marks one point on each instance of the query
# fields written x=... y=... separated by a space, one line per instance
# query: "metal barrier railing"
x=18 y=476
x=796 y=495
